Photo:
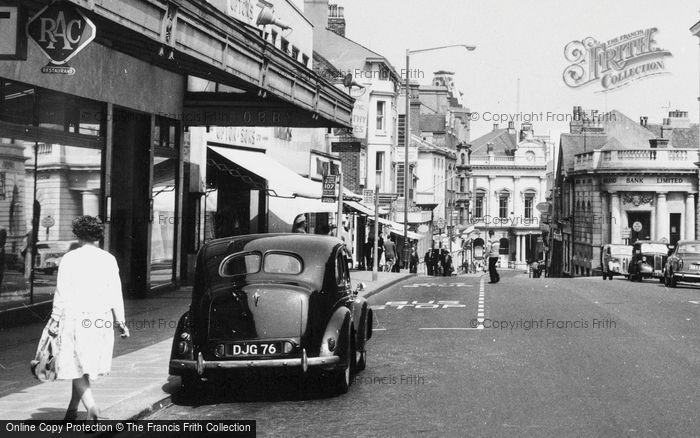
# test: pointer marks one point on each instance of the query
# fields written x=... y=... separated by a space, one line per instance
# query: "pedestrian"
x=435 y=261
x=390 y=253
x=428 y=263
x=368 y=252
x=413 y=261
x=299 y=224
x=87 y=300
x=492 y=250
x=447 y=264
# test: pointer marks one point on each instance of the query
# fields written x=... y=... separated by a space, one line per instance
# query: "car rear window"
x=621 y=250
x=240 y=264
x=281 y=263
x=654 y=247
x=689 y=248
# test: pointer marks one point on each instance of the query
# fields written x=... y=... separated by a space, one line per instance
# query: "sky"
x=523 y=41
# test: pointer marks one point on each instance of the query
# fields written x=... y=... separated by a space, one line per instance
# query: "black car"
x=648 y=260
x=276 y=302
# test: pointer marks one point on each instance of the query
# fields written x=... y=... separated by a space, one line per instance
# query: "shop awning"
x=393 y=227
x=281 y=181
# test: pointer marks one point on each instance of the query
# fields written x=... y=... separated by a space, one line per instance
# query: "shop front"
x=101 y=131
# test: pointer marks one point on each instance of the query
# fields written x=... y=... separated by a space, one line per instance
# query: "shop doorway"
x=643 y=219
x=674 y=229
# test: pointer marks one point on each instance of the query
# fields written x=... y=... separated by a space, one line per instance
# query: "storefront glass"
x=49 y=175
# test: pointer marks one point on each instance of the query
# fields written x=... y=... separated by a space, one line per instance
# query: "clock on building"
x=530 y=155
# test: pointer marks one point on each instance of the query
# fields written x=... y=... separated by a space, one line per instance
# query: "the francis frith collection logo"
x=616 y=62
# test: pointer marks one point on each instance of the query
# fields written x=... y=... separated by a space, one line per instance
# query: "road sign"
x=637 y=226
x=423 y=228
x=329 y=184
x=61 y=31
x=13 y=41
x=440 y=223
x=543 y=207
x=48 y=222
x=626 y=233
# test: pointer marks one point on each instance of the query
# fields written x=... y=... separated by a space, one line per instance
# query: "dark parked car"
x=648 y=260
x=276 y=302
x=684 y=263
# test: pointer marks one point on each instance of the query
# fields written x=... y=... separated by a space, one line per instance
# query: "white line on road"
x=449 y=328
x=480 y=314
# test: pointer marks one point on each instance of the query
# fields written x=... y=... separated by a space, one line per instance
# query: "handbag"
x=43 y=367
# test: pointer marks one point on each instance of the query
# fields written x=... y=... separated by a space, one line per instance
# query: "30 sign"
x=61 y=30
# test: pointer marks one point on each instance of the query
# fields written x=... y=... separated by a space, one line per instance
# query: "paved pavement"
x=139 y=380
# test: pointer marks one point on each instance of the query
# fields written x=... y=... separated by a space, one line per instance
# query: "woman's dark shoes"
x=92 y=414
x=71 y=415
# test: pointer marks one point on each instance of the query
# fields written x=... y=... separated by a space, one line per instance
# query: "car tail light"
x=288 y=347
x=185 y=336
x=331 y=344
x=219 y=350
x=183 y=348
x=644 y=259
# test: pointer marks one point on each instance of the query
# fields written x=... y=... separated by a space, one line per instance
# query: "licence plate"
x=254 y=349
x=694 y=267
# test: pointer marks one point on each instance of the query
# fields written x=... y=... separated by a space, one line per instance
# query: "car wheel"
x=341 y=379
x=661 y=279
x=361 y=361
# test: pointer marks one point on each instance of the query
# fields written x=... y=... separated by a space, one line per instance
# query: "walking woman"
x=87 y=305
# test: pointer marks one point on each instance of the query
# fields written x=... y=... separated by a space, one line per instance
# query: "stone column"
x=518 y=249
x=518 y=204
x=690 y=218
x=615 y=218
x=492 y=200
x=605 y=218
x=661 y=217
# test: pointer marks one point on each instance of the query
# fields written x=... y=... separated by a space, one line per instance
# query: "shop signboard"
x=61 y=31
x=329 y=183
x=13 y=41
x=346 y=146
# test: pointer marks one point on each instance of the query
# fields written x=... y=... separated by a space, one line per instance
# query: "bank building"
x=619 y=181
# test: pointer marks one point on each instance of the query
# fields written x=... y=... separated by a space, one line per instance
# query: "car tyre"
x=361 y=361
x=342 y=378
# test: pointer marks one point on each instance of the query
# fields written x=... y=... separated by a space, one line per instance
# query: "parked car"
x=49 y=254
x=615 y=260
x=684 y=263
x=277 y=302
x=648 y=260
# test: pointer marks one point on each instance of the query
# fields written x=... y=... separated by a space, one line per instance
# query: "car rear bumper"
x=177 y=366
x=695 y=278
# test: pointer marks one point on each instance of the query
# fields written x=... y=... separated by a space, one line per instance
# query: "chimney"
x=678 y=119
x=495 y=126
x=336 y=19
x=643 y=121
x=414 y=93
x=511 y=127
x=316 y=11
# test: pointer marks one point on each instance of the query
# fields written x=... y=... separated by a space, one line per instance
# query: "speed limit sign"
x=440 y=223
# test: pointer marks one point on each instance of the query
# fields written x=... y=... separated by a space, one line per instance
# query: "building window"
x=529 y=201
x=305 y=60
x=504 y=246
x=379 y=168
x=295 y=53
x=479 y=205
x=381 y=106
x=463 y=185
x=503 y=206
x=284 y=45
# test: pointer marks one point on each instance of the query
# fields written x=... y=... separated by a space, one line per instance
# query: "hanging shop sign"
x=329 y=184
x=61 y=31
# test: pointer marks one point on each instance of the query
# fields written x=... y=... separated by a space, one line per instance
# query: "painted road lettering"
x=437 y=285
x=400 y=305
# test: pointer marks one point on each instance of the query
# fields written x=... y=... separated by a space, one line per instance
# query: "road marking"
x=480 y=314
x=400 y=305
x=449 y=328
x=437 y=285
x=694 y=302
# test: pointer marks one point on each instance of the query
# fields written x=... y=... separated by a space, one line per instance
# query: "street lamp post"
x=407 y=140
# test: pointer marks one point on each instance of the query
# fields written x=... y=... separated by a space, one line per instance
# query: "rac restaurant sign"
x=61 y=31
x=614 y=63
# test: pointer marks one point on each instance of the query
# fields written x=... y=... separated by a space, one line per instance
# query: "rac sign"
x=61 y=30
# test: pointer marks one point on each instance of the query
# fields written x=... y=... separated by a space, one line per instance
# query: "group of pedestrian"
x=388 y=255
x=438 y=262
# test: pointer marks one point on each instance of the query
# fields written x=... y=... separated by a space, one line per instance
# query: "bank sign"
x=61 y=31
x=614 y=63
